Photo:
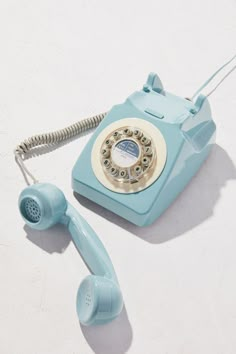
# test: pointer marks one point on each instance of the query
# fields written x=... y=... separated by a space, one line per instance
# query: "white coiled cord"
x=52 y=138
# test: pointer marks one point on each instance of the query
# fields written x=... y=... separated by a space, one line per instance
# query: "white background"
x=61 y=61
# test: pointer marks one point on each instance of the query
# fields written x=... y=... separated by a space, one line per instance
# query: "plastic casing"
x=189 y=132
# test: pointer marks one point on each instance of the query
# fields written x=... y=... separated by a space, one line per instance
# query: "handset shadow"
x=54 y=240
x=193 y=206
x=112 y=338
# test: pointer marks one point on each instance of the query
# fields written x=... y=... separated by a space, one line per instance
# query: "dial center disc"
x=125 y=153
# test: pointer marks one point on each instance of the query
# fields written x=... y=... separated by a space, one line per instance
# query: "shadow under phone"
x=193 y=206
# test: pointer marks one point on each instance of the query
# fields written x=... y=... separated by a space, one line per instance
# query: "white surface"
x=60 y=61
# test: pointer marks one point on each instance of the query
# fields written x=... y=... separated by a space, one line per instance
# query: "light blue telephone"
x=139 y=159
x=146 y=150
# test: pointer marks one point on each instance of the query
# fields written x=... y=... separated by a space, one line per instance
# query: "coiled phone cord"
x=53 y=138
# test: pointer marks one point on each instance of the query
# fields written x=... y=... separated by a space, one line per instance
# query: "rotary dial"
x=127 y=154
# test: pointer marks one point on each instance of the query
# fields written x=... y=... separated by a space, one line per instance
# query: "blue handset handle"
x=89 y=245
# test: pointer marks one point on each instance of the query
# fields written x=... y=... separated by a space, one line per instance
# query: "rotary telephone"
x=146 y=150
x=141 y=156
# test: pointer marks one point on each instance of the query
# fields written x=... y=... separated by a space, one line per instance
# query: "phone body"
x=144 y=152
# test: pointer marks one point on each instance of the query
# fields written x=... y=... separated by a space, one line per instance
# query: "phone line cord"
x=225 y=66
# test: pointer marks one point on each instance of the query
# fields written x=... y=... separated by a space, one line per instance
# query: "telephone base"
x=189 y=134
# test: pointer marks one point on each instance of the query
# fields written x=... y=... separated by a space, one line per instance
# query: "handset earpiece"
x=99 y=299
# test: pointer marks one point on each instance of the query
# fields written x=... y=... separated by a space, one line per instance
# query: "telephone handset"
x=99 y=299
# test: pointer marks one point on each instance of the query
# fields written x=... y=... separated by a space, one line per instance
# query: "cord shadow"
x=112 y=338
x=191 y=208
